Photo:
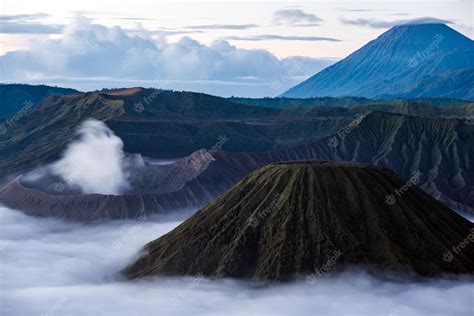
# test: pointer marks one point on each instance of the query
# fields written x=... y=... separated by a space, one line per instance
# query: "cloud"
x=364 y=10
x=305 y=66
x=195 y=29
x=399 y=14
x=295 y=17
x=55 y=268
x=87 y=52
x=387 y=24
x=370 y=22
x=94 y=163
x=29 y=28
x=426 y=20
x=133 y=18
x=27 y=24
x=266 y=37
x=359 y=10
x=23 y=17
x=223 y=26
x=163 y=32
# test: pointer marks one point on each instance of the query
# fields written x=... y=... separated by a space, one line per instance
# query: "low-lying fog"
x=53 y=268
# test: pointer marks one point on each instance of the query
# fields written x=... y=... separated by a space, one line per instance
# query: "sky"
x=251 y=48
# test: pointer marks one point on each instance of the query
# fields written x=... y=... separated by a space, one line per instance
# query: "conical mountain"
x=395 y=64
x=288 y=220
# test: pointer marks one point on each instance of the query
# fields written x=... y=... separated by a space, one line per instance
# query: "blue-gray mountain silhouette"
x=416 y=60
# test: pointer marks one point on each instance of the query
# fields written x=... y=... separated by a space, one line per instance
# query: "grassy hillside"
x=14 y=97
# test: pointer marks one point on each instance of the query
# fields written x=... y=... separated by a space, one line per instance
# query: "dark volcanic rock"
x=154 y=189
x=98 y=207
x=441 y=149
x=176 y=124
x=287 y=220
x=157 y=124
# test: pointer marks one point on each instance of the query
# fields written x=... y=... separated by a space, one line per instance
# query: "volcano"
x=409 y=60
x=287 y=220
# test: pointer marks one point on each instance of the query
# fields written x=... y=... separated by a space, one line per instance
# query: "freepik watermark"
x=131 y=232
x=197 y=279
x=294 y=69
x=221 y=140
x=10 y=122
x=139 y=107
x=92 y=41
x=424 y=54
x=395 y=311
x=68 y=179
x=199 y=161
x=254 y=221
x=334 y=141
x=4 y=243
x=319 y=205
x=469 y=120
x=414 y=180
x=449 y=256
x=56 y=308
x=328 y=266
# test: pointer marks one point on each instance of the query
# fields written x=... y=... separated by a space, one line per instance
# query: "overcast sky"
x=322 y=31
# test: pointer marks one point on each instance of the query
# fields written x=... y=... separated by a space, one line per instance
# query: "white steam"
x=52 y=268
x=95 y=162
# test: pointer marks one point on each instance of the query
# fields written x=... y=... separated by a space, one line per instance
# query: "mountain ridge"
x=287 y=220
x=14 y=97
x=168 y=118
x=392 y=63
x=438 y=148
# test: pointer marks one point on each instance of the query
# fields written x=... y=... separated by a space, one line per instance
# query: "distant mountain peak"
x=395 y=63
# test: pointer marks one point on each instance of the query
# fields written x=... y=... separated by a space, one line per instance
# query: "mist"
x=49 y=267
x=95 y=161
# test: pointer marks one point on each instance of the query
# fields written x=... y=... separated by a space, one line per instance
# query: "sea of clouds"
x=90 y=56
x=49 y=267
